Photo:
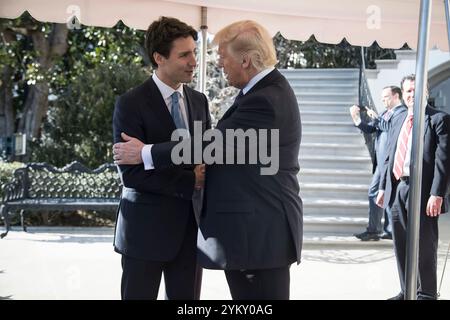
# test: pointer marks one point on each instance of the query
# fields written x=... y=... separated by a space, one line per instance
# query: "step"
x=326 y=241
x=325 y=115
x=343 y=191
x=329 y=106
x=322 y=80
x=349 y=72
x=335 y=176
x=335 y=207
x=334 y=225
x=325 y=126
x=346 y=97
x=334 y=149
x=331 y=137
x=323 y=104
x=325 y=87
x=290 y=70
x=335 y=162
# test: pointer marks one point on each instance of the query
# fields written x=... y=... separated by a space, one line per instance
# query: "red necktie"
x=402 y=146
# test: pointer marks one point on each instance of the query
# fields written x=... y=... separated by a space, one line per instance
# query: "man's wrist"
x=146 y=155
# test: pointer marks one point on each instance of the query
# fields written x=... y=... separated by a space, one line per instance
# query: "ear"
x=246 y=61
x=158 y=58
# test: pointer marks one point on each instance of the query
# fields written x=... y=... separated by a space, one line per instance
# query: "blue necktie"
x=176 y=112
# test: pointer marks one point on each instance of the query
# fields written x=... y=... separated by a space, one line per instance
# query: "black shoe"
x=368 y=236
x=400 y=296
x=359 y=235
x=362 y=234
x=386 y=235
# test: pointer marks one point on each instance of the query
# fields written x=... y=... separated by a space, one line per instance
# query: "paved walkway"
x=79 y=263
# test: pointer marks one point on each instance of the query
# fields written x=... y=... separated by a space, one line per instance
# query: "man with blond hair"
x=252 y=224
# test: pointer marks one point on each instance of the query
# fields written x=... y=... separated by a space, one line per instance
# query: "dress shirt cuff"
x=357 y=121
x=146 y=154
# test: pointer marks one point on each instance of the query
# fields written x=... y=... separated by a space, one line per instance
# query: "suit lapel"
x=397 y=127
x=230 y=111
x=398 y=110
x=159 y=107
x=427 y=122
x=189 y=108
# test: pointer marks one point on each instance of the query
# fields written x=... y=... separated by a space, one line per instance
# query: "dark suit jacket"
x=381 y=126
x=249 y=220
x=436 y=159
x=155 y=204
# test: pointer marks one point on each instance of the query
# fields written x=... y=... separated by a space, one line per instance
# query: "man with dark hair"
x=161 y=34
x=156 y=229
x=394 y=188
x=391 y=96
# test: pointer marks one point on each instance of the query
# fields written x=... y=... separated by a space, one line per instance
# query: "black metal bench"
x=39 y=187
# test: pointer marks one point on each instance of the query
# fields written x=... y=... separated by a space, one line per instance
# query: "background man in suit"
x=435 y=188
x=391 y=97
x=251 y=224
x=156 y=230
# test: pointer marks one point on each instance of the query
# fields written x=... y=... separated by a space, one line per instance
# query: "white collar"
x=166 y=91
x=256 y=78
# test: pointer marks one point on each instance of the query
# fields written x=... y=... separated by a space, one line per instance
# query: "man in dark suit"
x=156 y=231
x=251 y=224
x=394 y=188
x=391 y=97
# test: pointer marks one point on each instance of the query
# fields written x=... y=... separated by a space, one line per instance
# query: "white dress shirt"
x=166 y=92
x=408 y=148
x=256 y=79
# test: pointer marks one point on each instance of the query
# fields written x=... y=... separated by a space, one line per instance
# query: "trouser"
x=182 y=276
x=375 y=212
x=428 y=243
x=262 y=284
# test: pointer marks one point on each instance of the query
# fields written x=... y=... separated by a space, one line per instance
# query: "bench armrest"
x=15 y=189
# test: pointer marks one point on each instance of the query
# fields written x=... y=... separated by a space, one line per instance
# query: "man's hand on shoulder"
x=128 y=152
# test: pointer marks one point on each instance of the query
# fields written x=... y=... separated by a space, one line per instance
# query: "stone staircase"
x=335 y=165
